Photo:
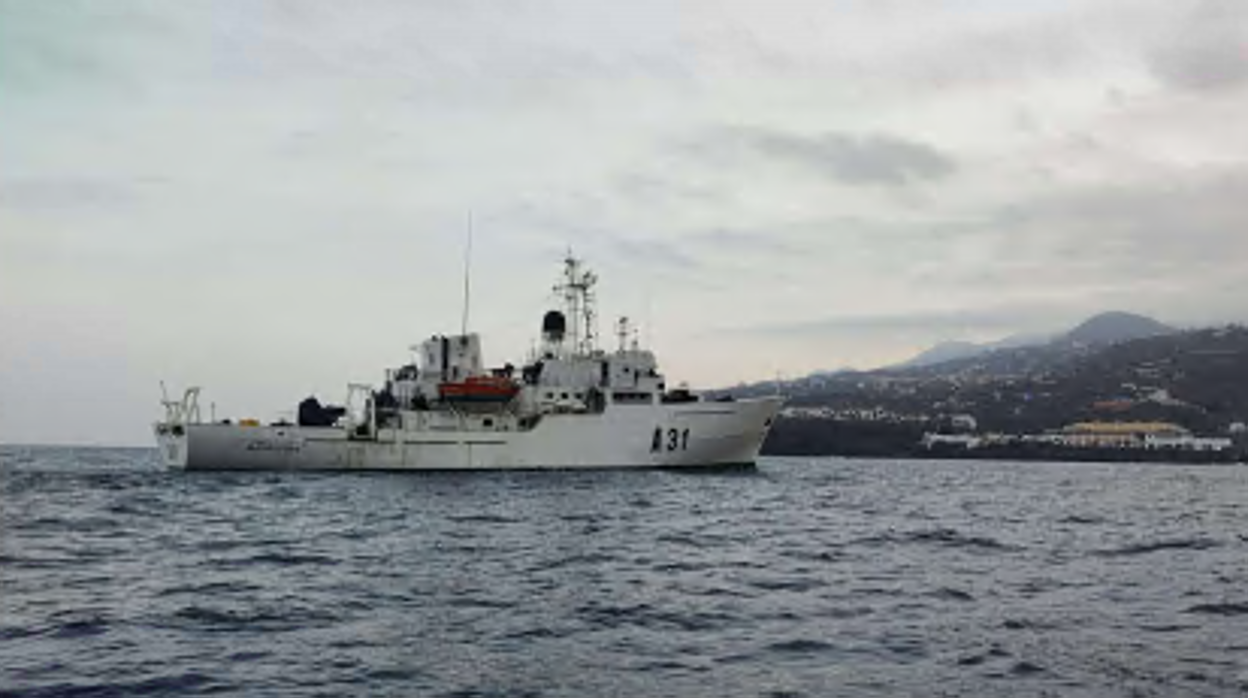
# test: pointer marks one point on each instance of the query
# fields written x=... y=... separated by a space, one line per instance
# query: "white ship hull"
x=680 y=435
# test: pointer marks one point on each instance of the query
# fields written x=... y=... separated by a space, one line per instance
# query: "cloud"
x=856 y=160
x=746 y=241
x=66 y=193
x=1207 y=50
x=1169 y=222
x=736 y=164
x=653 y=254
x=1169 y=244
x=992 y=318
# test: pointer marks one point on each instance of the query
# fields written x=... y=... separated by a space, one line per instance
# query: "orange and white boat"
x=480 y=389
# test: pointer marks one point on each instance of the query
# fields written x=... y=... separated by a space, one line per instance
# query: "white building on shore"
x=1149 y=436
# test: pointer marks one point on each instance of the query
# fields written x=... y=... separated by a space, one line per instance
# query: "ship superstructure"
x=570 y=405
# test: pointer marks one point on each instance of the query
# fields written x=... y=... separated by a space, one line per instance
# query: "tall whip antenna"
x=467 y=277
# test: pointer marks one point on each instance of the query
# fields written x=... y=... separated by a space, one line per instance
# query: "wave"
x=1220 y=609
x=991 y=654
x=944 y=537
x=947 y=594
x=326 y=585
x=650 y=617
x=801 y=646
x=209 y=587
x=1082 y=519
x=482 y=519
x=794 y=584
x=214 y=619
x=1160 y=545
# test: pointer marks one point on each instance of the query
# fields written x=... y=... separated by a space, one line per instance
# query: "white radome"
x=570 y=406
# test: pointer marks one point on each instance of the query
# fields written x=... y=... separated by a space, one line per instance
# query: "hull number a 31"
x=672 y=440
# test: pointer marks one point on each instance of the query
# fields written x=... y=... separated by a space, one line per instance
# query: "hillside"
x=1198 y=379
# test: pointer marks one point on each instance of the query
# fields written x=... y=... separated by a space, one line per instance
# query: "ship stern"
x=172 y=443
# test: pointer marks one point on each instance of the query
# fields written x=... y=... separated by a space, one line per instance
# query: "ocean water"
x=800 y=578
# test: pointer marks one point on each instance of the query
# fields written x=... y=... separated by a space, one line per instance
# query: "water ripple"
x=801 y=578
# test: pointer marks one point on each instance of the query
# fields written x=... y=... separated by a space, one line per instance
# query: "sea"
x=800 y=577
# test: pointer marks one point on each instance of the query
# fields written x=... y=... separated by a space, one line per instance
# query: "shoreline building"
x=1134 y=435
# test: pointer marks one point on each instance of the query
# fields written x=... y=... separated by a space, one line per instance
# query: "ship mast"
x=463 y=326
x=577 y=290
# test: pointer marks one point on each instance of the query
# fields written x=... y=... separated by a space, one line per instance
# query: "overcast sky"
x=269 y=198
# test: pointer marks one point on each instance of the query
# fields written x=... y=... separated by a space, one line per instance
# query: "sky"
x=271 y=199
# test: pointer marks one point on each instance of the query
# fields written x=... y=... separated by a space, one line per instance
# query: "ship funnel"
x=554 y=326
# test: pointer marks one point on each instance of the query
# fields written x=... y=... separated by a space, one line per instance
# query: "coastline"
x=814 y=438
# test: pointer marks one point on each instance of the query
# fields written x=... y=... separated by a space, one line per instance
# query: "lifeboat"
x=485 y=390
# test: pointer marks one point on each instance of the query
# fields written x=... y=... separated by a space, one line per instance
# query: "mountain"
x=1099 y=330
x=955 y=351
x=1115 y=327
x=943 y=352
x=1019 y=341
x=1009 y=358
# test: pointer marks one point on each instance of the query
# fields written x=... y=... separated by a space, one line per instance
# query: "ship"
x=569 y=405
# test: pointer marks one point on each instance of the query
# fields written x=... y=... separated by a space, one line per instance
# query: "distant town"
x=1117 y=387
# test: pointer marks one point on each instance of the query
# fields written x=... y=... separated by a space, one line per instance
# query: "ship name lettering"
x=272 y=446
